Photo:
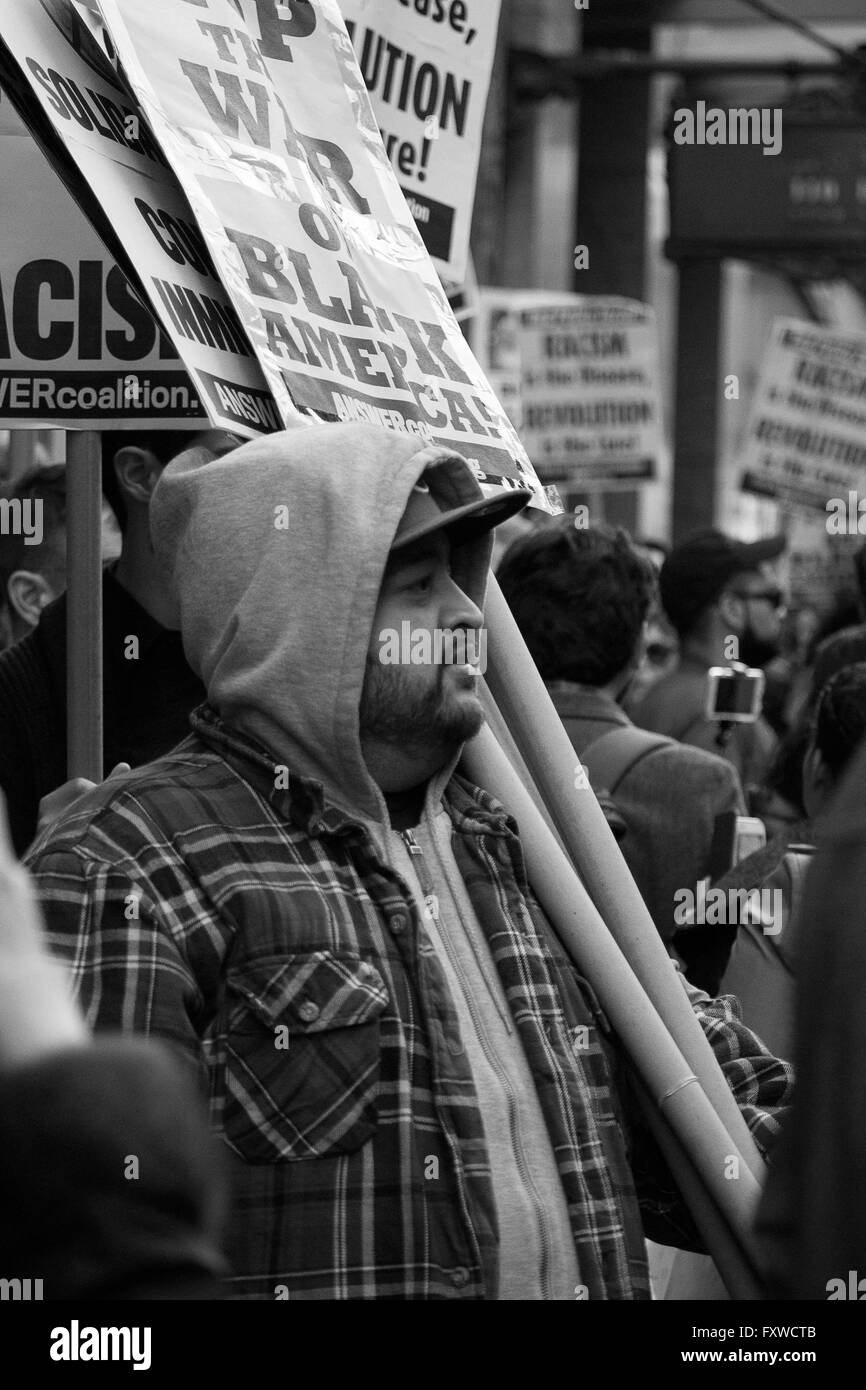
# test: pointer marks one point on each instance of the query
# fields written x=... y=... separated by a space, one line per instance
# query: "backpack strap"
x=609 y=758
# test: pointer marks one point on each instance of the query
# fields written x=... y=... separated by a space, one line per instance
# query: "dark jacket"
x=71 y=1212
x=146 y=701
x=669 y=800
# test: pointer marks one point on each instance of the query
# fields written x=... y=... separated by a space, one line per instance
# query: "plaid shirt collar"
x=303 y=801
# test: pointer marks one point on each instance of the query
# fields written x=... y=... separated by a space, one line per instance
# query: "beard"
x=395 y=710
x=757 y=651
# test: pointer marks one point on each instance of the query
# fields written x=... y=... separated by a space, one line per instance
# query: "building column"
x=697 y=395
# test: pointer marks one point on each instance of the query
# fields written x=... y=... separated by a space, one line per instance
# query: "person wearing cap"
x=714 y=590
x=415 y=1090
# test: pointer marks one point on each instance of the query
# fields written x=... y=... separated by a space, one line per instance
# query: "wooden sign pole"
x=676 y=1094
x=546 y=748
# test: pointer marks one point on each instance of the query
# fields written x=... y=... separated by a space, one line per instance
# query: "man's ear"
x=732 y=610
x=138 y=472
x=28 y=594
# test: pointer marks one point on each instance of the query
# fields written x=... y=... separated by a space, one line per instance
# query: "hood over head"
x=276 y=553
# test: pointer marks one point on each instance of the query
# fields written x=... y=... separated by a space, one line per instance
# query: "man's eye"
x=422 y=584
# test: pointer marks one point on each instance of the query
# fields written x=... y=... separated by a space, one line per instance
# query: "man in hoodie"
x=416 y=1091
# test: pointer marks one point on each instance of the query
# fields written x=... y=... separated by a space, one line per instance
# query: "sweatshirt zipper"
x=431 y=902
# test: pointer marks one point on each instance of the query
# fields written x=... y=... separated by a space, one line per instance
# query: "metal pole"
x=84 y=605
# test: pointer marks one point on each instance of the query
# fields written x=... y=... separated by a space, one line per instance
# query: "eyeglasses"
x=774 y=597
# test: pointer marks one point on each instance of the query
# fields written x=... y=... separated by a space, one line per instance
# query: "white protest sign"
x=270 y=130
x=806 y=438
x=579 y=376
x=427 y=65
x=77 y=346
x=109 y=143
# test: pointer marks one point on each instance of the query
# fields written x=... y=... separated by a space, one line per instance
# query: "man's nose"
x=459 y=610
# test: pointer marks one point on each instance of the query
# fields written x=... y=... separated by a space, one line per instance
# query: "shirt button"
x=460 y=1277
x=309 y=1011
x=455 y=1046
x=399 y=922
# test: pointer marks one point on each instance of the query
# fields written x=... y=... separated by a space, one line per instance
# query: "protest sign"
x=77 y=345
x=264 y=117
x=806 y=438
x=579 y=377
x=818 y=567
x=67 y=91
x=427 y=65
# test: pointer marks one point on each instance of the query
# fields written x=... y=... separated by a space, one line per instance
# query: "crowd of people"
x=285 y=963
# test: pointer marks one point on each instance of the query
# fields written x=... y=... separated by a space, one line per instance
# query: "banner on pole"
x=72 y=96
x=579 y=378
x=77 y=346
x=806 y=437
x=269 y=129
x=427 y=68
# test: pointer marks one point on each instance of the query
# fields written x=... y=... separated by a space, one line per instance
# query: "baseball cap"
x=429 y=509
x=696 y=571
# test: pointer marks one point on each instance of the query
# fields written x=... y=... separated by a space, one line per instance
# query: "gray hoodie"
x=281 y=641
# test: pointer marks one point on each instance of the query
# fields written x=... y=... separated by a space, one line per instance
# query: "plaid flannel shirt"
x=257 y=928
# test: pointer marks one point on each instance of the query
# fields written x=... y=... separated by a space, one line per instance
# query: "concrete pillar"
x=697 y=395
x=541 y=171
x=611 y=193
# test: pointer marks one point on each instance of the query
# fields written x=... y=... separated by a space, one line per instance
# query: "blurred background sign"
x=806 y=438
x=579 y=377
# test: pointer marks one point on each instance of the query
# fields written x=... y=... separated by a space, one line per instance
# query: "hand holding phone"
x=735 y=694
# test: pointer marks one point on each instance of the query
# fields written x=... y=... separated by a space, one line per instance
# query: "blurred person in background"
x=581 y=597
x=812 y=1218
x=724 y=607
x=33 y=568
x=779 y=802
x=72 y=1113
x=764 y=961
x=661 y=646
x=148 y=688
x=846 y=622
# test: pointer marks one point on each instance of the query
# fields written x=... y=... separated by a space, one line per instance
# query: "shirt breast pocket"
x=302 y=1056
